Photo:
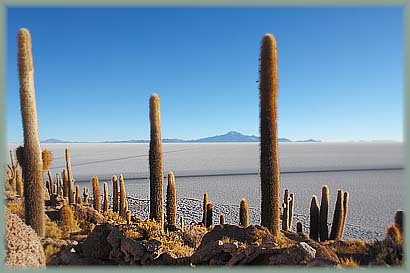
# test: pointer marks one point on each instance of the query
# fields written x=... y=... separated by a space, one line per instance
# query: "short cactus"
x=171 y=201
x=291 y=209
x=114 y=194
x=222 y=219
x=105 y=205
x=155 y=162
x=324 y=210
x=337 y=217
x=123 y=197
x=96 y=193
x=209 y=209
x=204 y=208
x=399 y=220
x=47 y=158
x=299 y=227
x=243 y=213
x=269 y=155
x=32 y=158
x=54 y=189
x=85 y=195
x=181 y=222
x=19 y=183
x=77 y=195
x=285 y=214
x=314 y=219
x=128 y=213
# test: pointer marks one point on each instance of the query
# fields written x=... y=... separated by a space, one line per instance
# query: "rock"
x=310 y=251
x=66 y=257
x=88 y=214
x=220 y=259
x=205 y=253
x=133 y=251
x=96 y=244
x=55 y=201
x=152 y=245
x=236 y=259
x=23 y=246
x=165 y=258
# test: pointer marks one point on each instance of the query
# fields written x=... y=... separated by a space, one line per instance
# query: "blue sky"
x=340 y=71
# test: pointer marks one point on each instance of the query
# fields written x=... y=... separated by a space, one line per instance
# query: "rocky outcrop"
x=23 y=246
x=88 y=214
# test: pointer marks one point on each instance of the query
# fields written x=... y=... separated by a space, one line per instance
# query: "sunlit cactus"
x=209 y=210
x=314 y=219
x=243 y=213
x=171 y=204
x=32 y=158
x=47 y=158
x=68 y=222
x=48 y=186
x=96 y=193
x=77 y=195
x=337 y=217
x=324 y=210
x=50 y=177
x=114 y=194
x=345 y=211
x=54 y=189
x=269 y=155
x=66 y=183
x=105 y=205
x=59 y=185
x=204 y=208
x=86 y=195
x=128 y=213
x=393 y=233
x=181 y=222
x=123 y=197
x=291 y=209
x=70 y=177
x=19 y=183
x=222 y=219
x=155 y=162
x=285 y=214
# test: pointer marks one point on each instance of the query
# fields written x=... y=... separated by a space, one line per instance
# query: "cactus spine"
x=33 y=163
x=155 y=162
x=291 y=209
x=222 y=219
x=345 y=210
x=105 y=207
x=70 y=177
x=204 y=208
x=299 y=227
x=114 y=194
x=285 y=215
x=123 y=197
x=171 y=201
x=324 y=209
x=96 y=193
x=269 y=157
x=337 y=217
x=314 y=219
x=243 y=213
x=209 y=209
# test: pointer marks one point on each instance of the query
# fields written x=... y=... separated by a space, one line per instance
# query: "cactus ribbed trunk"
x=114 y=194
x=291 y=209
x=209 y=210
x=50 y=178
x=155 y=162
x=269 y=156
x=314 y=219
x=337 y=217
x=33 y=171
x=345 y=210
x=105 y=206
x=285 y=214
x=204 y=208
x=66 y=183
x=96 y=193
x=324 y=209
x=243 y=213
x=171 y=201
x=71 y=197
x=19 y=183
x=123 y=197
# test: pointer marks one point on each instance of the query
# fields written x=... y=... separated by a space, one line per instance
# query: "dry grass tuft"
x=16 y=208
x=53 y=230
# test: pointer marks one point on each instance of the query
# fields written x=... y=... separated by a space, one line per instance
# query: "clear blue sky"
x=340 y=71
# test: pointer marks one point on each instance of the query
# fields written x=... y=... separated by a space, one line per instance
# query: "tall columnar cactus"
x=299 y=227
x=70 y=177
x=48 y=186
x=345 y=211
x=269 y=156
x=19 y=183
x=123 y=197
x=54 y=189
x=204 y=208
x=114 y=194
x=243 y=213
x=47 y=158
x=59 y=184
x=285 y=214
x=50 y=178
x=66 y=183
x=314 y=219
x=85 y=195
x=33 y=163
x=209 y=210
x=155 y=162
x=291 y=209
x=337 y=217
x=96 y=193
x=171 y=201
x=324 y=209
x=222 y=219
x=105 y=206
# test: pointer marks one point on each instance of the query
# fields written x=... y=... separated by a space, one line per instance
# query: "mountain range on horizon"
x=231 y=136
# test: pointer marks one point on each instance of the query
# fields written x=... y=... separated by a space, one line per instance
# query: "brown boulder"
x=88 y=214
x=96 y=244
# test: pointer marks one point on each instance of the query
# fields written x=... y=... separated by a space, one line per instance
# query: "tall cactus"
x=324 y=209
x=123 y=197
x=78 y=199
x=337 y=217
x=70 y=177
x=114 y=194
x=155 y=162
x=96 y=193
x=171 y=202
x=269 y=156
x=33 y=163
x=59 y=184
x=314 y=219
x=243 y=213
x=19 y=183
x=209 y=212
x=205 y=201
x=291 y=209
x=285 y=214
x=345 y=210
x=105 y=206
x=50 y=178
x=66 y=183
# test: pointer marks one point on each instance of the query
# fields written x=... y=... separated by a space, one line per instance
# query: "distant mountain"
x=231 y=136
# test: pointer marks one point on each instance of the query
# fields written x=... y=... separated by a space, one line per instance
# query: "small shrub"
x=50 y=250
x=16 y=208
x=53 y=230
